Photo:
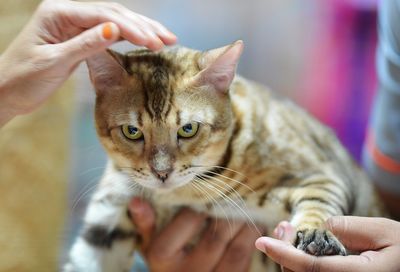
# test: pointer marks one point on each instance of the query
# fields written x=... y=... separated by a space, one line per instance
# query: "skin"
x=58 y=37
x=216 y=250
x=63 y=33
x=377 y=240
x=165 y=251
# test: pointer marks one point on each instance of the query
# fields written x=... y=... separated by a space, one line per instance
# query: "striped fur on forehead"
x=160 y=74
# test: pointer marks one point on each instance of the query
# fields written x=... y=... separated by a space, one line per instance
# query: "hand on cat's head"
x=58 y=37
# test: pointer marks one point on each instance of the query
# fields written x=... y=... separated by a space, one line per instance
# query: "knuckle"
x=86 y=44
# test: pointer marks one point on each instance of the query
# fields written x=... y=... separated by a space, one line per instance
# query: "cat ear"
x=106 y=69
x=219 y=66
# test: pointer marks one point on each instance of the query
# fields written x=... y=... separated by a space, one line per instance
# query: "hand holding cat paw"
x=377 y=239
x=58 y=37
x=171 y=249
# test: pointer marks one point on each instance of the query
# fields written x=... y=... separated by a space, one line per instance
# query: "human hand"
x=378 y=240
x=58 y=37
x=216 y=251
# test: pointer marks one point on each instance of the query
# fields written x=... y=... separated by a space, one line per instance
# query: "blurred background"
x=321 y=54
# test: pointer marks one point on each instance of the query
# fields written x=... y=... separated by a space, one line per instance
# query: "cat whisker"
x=199 y=121
x=226 y=188
x=231 y=201
x=190 y=97
x=203 y=192
x=92 y=185
x=133 y=186
x=91 y=170
x=230 y=188
x=82 y=195
x=221 y=167
x=199 y=185
x=83 y=192
x=228 y=178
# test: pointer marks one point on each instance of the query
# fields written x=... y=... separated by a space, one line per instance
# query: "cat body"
x=182 y=130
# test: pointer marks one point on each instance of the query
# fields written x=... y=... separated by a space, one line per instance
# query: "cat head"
x=165 y=117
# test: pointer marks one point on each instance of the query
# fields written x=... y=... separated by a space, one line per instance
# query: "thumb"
x=90 y=42
x=361 y=233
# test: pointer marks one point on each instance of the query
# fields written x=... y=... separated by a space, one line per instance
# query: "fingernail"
x=108 y=31
x=259 y=244
x=281 y=232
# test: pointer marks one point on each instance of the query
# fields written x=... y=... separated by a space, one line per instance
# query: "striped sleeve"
x=381 y=156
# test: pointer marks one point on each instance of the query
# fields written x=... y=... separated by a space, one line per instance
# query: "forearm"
x=381 y=156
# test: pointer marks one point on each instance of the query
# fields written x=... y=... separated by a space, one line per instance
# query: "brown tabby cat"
x=181 y=129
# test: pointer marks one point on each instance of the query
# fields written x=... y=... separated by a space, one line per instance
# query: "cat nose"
x=162 y=174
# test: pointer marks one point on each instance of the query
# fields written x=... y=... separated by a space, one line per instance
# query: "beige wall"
x=33 y=169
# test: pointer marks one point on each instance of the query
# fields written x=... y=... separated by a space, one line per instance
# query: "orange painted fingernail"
x=107 y=31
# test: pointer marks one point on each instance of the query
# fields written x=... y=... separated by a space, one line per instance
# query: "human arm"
x=381 y=156
x=216 y=251
x=61 y=34
x=377 y=240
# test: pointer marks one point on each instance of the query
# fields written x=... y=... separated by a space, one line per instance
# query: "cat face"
x=164 y=117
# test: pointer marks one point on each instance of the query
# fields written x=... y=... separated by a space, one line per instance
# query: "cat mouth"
x=167 y=185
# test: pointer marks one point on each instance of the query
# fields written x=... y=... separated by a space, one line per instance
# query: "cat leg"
x=108 y=238
x=312 y=202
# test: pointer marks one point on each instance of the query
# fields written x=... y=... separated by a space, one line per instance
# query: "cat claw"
x=319 y=242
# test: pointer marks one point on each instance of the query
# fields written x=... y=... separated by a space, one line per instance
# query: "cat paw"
x=319 y=242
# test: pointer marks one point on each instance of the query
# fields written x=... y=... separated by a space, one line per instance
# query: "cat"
x=181 y=129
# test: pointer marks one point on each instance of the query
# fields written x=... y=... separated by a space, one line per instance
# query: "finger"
x=213 y=243
x=362 y=233
x=237 y=256
x=164 y=34
x=89 y=42
x=178 y=233
x=132 y=27
x=285 y=232
x=144 y=219
x=294 y=259
x=146 y=24
x=156 y=34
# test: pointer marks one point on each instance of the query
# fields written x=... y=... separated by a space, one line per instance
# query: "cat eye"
x=132 y=132
x=188 y=130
